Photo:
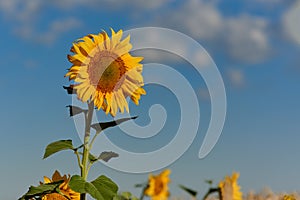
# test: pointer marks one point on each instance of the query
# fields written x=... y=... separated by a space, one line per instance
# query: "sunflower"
x=64 y=188
x=158 y=186
x=289 y=197
x=230 y=190
x=105 y=72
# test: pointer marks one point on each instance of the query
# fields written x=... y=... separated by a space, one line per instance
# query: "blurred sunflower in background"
x=105 y=72
x=68 y=194
x=230 y=190
x=158 y=186
x=289 y=197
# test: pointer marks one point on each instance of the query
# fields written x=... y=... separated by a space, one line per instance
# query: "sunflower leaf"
x=188 y=190
x=57 y=146
x=78 y=184
x=107 y=155
x=104 y=125
x=106 y=187
x=74 y=110
x=38 y=191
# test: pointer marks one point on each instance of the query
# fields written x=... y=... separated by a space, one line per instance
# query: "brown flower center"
x=106 y=71
x=159 y=185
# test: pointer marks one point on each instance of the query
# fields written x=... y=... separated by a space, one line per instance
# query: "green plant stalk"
x=143 y=193
x=78 y=160
x=86 y=148
x=93 y=140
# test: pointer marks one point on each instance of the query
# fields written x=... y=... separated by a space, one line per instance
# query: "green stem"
x=143 y=192
x=78 y=160
x=86 y=149
x=93 y=140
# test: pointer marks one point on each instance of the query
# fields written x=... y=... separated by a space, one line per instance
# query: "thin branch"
x=210 y=191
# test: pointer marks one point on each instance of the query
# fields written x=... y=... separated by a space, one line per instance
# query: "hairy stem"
x=86 y=149
x=78 y=160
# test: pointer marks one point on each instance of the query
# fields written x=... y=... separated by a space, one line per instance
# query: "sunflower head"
x=230 y=190
x=158 y=186
x=289 y=197
x=104 y=71
x=68 y=194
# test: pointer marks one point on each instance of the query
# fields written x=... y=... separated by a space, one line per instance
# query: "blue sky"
x=254 y=44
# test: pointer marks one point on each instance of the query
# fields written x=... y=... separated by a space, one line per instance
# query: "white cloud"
x=202 y=58
x=25 y=15
x=142 y=4
x=199 y=19
x=55 y=29
x=243 y=38
x=246 y=38
x=291 y=22
x=111 y=4
x=236 y=77
x=20 y=10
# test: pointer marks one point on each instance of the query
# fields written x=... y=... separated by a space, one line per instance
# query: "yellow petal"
x=119 y=101
x=99 y=100
x=81 y=58
x=98 y=39
x=89 y=42
x=75 y=68
x=73 y=60
x=124 y=42
x=123 y=50
x=47 y=180
x=88 y=93
x=116 y=38
x=108 y=97
x=84 y=47
x=123 y=101
x=106 y=40
x=114 y=105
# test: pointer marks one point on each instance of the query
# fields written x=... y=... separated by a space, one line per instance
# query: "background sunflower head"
x=230 y=190
x=158 y=186
x=104 y=71
x=289 y=197
x=68 y=194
